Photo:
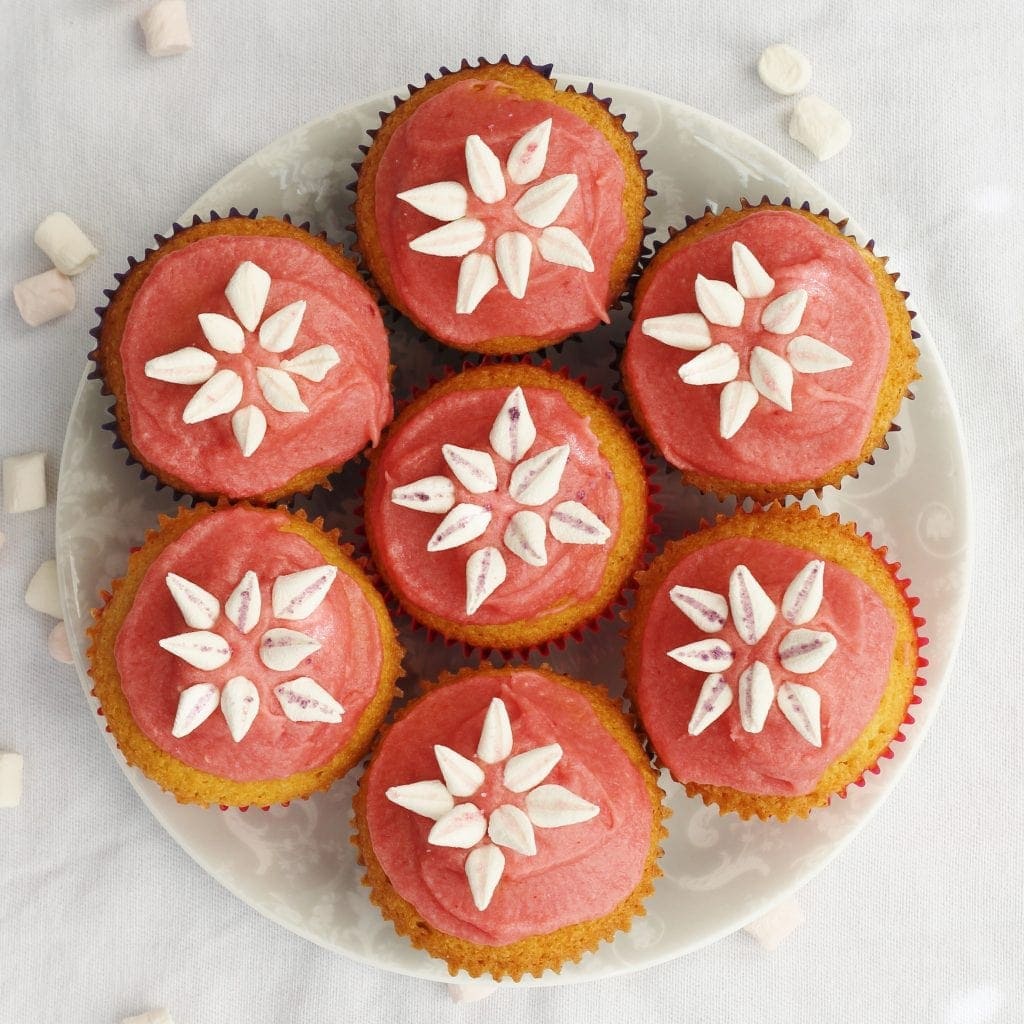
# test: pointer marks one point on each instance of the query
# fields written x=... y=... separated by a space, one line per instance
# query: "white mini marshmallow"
x=778 y=924
x=58 y=644
x=819 y=126
x=65 y=243
x=784 y=69
x=11 y=768
x=44 y=297
x=165 y=26
x=43 y=594
x=149 y=1017
x=473 y=992
x=25 y=482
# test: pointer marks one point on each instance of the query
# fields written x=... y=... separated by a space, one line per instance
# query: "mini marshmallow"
x=165 y=26
x=25 y=482
x=43 y=594
x=149 y=1017
x=784 y=69
x=778 y=924
x=65 y=243
x=11 y=770
x=44 y=297
x=819 y=126
x=473 y=992
x=58 y=644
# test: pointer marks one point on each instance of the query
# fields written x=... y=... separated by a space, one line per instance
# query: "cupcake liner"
x=766 y=494
x=783 y=808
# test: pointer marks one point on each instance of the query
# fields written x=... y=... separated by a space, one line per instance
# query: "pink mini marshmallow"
x=58 y=644
x=44 y=297
x=165 y=26
x=778 y=924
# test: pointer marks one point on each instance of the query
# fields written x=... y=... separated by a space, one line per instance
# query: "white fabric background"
x=920 y=919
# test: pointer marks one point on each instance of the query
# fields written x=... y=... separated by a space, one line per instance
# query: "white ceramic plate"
x=295 y=864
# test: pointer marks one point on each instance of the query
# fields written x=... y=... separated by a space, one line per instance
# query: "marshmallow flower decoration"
x=222 y=389
x=801 y=651
x=508 y=826
x=769 y=375
x=281 y=649
x=533 y=213
x=534 y=482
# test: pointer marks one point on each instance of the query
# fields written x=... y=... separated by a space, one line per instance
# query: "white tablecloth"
x=920 y=919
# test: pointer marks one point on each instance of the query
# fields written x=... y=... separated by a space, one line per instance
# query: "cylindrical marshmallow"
x=11 y=770
x=165 y=26
x=43 y=594
x=149 y=1017
x=776 y=925
x=65 y=243
x=784 y=69
x=44 y=297
x=471 y=993
x=25 y=482
x=819 y=126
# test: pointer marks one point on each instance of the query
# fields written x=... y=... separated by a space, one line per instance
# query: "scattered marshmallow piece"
x=65 y=243
x=25 y=482
x=44 y=297
x=778 y=924
x=43 y=594
x=473 y=992
x=149 y=1017
x=784 y=69
x=165 y=26
x=819 y=126
x=11 y=769
x=59 y=645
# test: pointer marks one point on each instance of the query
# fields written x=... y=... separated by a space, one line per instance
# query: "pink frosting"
x=215 y=554
x=580 y=872
x=436 y=580
x=430 y=147
x=347 y=410
x=832 y=411
x=776 y=761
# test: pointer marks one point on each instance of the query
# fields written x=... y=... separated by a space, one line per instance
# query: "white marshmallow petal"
x=280 y=391
x=24 y=482
x=496 y=733
x=297 y=595
x=565 y=248
x=802 y=707
x=485 y=175
x=247 y=293
x=477 y=276
x=279 y=331
x=462 y=524
x=508 y=826
x=461 y=776
x=43 y=591
x=736 y=403
x=528 y=156
x=12 y=770
x=485 y=572
x=532 y=767
x=512 y=254
x=803 y=651
x=430 y=799
x=717 y=365
x=484 y=868
x=772 y=376
x=571 y=522
x=784 y=69
x=249 y=425
x=803 y=596
x=808 y=355
x=757 y=691
x=455 y=239
x=687 y=331
x=555 y=806
x=201 y=649
x=783 y=315
x=752 y=609
x=713 y=701
x=819 y=126
x=222 y=332
x=707 y=610
x=525 y=536
x=284 y=649
x=431 y=494
x=183 y=366
x=59 y=645
x=165 y=27
x=719 y=302
x=513 y=431
x=704 y=655
x=65 y=243
x=462 y=827
x=443 y=200
x=474 y=991
x=305 y=700
x=198 y=607
x=44 y=297
x=239 y=704
x=313 y=364
x=752 y=280
x=473 y=469
x=543 y=204
x=195 y=705
x=537 y=479
x=218 y=396
x=244 y=606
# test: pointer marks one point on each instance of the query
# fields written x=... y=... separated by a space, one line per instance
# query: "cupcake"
x=498 y=213
x=509 y=821
x=244 y=658
x=246 y=358
x=769 y=352
x=771 y=659
x=506 y=507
